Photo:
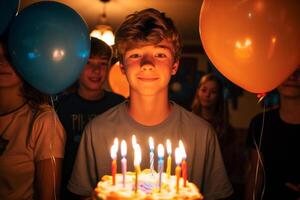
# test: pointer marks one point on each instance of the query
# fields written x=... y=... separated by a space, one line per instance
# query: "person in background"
x=77 y=108
x=209 y=104
x=31 y=138
x=149 y=48
x=275 y=137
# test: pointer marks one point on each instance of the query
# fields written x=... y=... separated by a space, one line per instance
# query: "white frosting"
x=147 y=187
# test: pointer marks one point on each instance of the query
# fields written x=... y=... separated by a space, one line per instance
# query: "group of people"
x=43 y=153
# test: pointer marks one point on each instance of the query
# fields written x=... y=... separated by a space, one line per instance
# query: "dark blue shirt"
x=280 y=147
x=74 y=113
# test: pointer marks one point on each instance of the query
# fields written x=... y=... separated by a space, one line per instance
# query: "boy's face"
x=149 y=68
x=94 y=73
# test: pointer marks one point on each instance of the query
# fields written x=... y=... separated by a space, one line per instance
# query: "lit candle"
x=116 y=143
x=137 y=161
x=134 y=144
x=178 y=160
x=124 y=161
x=183 y=164
x=133 y=141
x=113 y=154
x=160 y=152
x=151 y=145
x=169 y=161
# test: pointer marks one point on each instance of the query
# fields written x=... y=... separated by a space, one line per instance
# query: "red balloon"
x=254 y=43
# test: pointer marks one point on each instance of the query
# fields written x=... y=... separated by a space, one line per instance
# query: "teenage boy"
x=90 y=99
x=148 y=46
x=277 y=131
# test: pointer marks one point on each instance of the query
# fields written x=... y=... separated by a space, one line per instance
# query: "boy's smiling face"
x=94 y=73
x=149 y=68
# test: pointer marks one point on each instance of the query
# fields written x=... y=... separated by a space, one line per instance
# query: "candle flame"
x=123 y=148
x=151 y=143
x=137 y=155
x=183 y=153
x=116 y=144
x=169 y=147
x=178 y=156
x=133 y=141
x=113 y=152
x=160 y=151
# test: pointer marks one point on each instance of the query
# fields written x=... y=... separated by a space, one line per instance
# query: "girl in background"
x=31 y=138
x=209 y=104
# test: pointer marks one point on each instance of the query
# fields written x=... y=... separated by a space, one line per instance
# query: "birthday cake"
x=148 y=187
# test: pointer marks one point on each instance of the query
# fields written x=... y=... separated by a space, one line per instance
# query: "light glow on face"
x=149 y=68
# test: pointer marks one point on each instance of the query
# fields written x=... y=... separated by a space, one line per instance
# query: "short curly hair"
x=145 y=27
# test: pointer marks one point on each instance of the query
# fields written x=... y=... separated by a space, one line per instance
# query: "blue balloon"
x=49 y=45
x=8 y=9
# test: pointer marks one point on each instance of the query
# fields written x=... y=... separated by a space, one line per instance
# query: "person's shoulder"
x=44 y=111
x=43 y=124
x=194 y=125
x=45 y=116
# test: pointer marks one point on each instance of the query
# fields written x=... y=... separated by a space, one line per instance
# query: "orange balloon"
x=254 y=43
x=118 y=81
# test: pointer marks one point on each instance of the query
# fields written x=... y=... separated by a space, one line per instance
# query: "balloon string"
x=261 y=96
x=53 y=161
x=19 y=7
x=260 y=161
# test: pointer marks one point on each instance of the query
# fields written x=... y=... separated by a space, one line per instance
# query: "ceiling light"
x=102 y=30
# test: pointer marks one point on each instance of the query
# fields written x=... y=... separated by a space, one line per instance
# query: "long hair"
x=220 y=120
x=36 y=99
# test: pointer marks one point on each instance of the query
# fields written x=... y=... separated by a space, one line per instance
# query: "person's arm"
x=47 y=179
x=254 y=179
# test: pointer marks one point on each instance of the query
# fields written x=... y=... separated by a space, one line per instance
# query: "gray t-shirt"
x=205 y=163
